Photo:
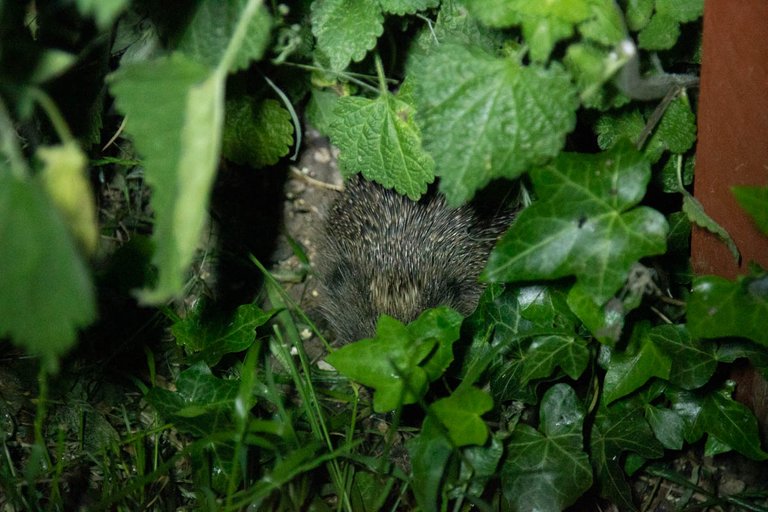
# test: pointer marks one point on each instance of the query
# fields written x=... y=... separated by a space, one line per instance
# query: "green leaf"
x=46 y=292
x=755 y=201
x=214 y=27
x=174 y=114
x=320 y=109
x=479 y=464
x=592 y=66
x=629 y=370
x=380 y=139
x=583 y=224
x=104 y=12
x=718 y=415
x=429 y=452
x=346 y=29
x=638 y=13
x=605 y=23
x=667 y=426
x=402 y=7
x=256 y=133
x=693 y=362
x=517 y=115
x=718 y=308
x=400 y=361
x=605 y=322
x=460 y=415
x=676 y=131
x=681 y=10
x=210 y=340
x=661 y=33
x=696 y=214
x=548 y=470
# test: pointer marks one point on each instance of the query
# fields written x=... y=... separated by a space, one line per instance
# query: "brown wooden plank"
x=733 y=130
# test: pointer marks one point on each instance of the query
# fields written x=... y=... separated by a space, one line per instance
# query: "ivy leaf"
x=256 y=133
x=583 y=225
x=629 y=370
x=403 y=7
x=399 y=361
x=667 y=426
x=548 y=470
x=719 y=308
x=213 y=29
x=41 y=273
x=484 y=117
x=346 y=29
x=104 y=12
x=380 y=139
x=693 y=362
x=460 y=415
x=755 y=201
x=429 y=452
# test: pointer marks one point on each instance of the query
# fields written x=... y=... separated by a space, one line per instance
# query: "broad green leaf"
x=548 y=469
x=218 y=25
x=460 y=415
x=175 y=114
x=679 y=238
x=667 y=426
x=755 y=201
x=605 y=322
x=256 y=133
x=429 y=452
x=104 y=12
x=380 y=139
x=680 y=10
x=485 y=117
x=719 y=308
x=620 y=428
x=676 y=131
x=400 y=361
x=605 y=23
x=320 y=109
x=612 y=128
x=584 y=224
x=402 y=7
x=661 y=33
x=346 y=29
x=693 y=362
x=592 y=66
x=46 y=293
x=65 y=180
x=479 y=464
x=638 y=13
x=717 y=414
x=631 y=369
x=209 y=340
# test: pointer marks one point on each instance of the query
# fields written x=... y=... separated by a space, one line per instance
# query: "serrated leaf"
x=629 y=370
x=400 y=361
x=548 y=470
x=605 y=23
x=320 y=109
x=460 y=413
x=680 y=10
x=346 y=29
x=612 y=128
x=583 y=225
x=64 y=179
x=696 y=214
x=638 y=13
x=485 y=117
x=402 y=7
x=175 y=114
x=676 y=131
x=256 y=133
x=661 y=33
x=380 y=139
x=46 y=293
x=592 y=66
x=720 y=308
x=104 y=12
x=755 y=201
x=214 y=28
x=693 y=362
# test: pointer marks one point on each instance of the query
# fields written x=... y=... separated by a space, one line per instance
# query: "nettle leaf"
x=583 y=224
x=620 y=428
x=755 y=201
x=548 y=469
x=638 y=13
x=485 y=117
x=346 y=29
x=592 y=65
x=460 y=415
x=628 y=371
x=605 y=23
x=693 y=362
x=213 y=28
x=681 y=10
x=661 y=33
x=694 y=210
x=202 y=403
x=174 y=113
x=402 y=7
x=718 y=415
x=320 y=109
x=400 y=360
x=104 y=12
x=46 y=293
x=210 y=340
x=256 y=133
x=718 y=308
x=380 y=139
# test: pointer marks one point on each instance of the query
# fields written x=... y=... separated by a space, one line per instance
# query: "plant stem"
x=53 y=113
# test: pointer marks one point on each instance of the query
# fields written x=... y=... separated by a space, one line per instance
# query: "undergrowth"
x=593 y=357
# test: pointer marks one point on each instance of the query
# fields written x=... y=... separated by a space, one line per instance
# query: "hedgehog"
x=382 y=253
